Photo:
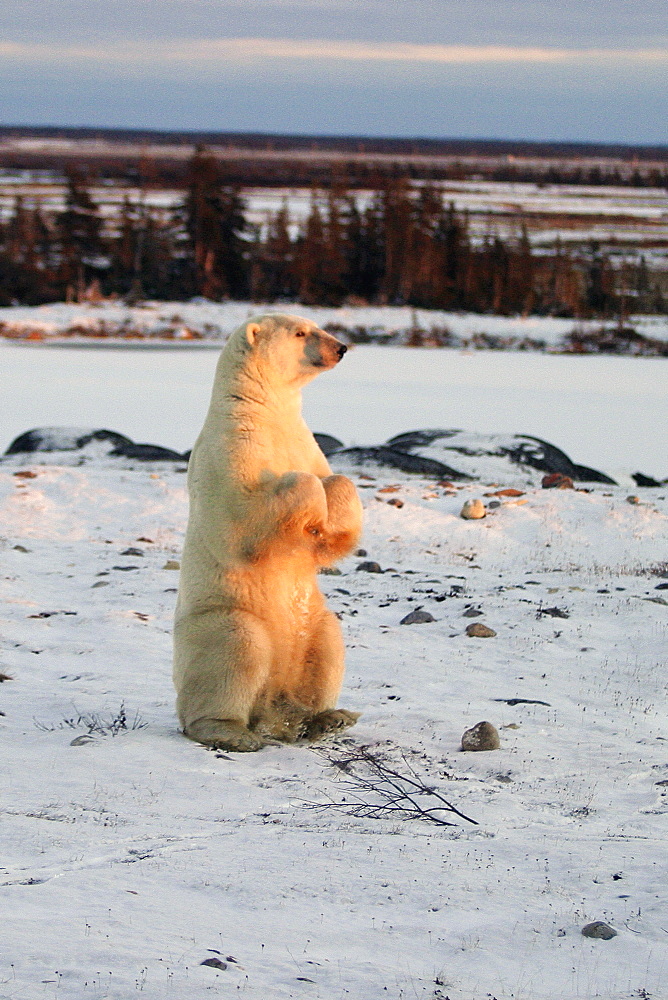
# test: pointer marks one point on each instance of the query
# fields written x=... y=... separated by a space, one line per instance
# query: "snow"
x=605 y=412
x=129 y=859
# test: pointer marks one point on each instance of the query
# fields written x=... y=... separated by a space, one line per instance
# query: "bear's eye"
x=300 y=333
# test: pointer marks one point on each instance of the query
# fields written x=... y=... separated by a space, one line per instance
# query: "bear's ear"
x=252 y=330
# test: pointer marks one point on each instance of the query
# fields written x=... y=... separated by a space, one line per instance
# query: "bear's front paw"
x=333 y=720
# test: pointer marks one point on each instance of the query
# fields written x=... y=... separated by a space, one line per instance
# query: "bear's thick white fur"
x=257 y=655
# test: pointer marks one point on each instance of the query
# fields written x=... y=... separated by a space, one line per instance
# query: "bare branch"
x=377 y=788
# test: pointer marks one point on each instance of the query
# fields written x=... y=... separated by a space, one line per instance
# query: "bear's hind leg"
x=222 y=664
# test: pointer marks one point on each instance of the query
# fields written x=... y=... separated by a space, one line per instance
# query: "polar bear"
x=257 y=655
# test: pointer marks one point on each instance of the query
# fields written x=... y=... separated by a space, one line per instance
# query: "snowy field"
x=131 y=856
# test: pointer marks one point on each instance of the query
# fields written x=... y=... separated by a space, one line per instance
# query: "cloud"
x=226 y=51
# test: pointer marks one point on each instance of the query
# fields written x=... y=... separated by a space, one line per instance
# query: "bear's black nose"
x=342 y=350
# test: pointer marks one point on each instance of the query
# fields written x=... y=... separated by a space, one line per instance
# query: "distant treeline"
x=405 y=247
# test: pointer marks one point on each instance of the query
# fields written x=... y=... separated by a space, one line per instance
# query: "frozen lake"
x=609 y=413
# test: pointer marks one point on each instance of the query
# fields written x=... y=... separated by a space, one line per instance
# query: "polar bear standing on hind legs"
x=257 y=655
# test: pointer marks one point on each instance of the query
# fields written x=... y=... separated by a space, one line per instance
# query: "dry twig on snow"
x=376 y=788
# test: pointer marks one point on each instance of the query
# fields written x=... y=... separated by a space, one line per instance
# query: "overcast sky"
x=528 y=69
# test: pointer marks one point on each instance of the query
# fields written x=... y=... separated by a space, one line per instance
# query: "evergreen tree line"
x=404 y=247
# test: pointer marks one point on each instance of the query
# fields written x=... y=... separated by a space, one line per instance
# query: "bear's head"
x=293 y=349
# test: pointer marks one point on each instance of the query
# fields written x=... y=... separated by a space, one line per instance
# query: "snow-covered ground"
x=130 y=859
x=130 y=855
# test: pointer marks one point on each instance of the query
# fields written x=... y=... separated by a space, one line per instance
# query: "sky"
x=578 y=70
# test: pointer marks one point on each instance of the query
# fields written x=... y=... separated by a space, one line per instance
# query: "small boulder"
x=599 y=929
x=479 y=631
x=172 y=564
x=369 y=567
x=417 y=617
x=557 y=481
x=472 y=510
x=483 y=736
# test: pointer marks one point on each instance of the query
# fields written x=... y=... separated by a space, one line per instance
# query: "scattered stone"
x=125 y=569
x=483 y=736
x=361 y=553
x=395 y=502
x=8 y=677
x=505 y=493
x=493 y=504
x=472 y=613
x=214 y=963
x=21 y=548
x=172 y=564
x=661 y=586
x=553 y=612
x=25 y=474
x=330 y=571
x=472 y=510
x=369 y=567
x=100 y=583
x=479 y=631
x=132 y=552
x=633 y=499
x=417 y=617
x=599 y=929
x=521 y=701
x=557 y=481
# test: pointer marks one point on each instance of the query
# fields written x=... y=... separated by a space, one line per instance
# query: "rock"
x=361 y=553
x=147 y=453
x=391 y=458
x=477 y=455
x=368 y=567
x=330 y=571
x=93 y=442
x=417 y=617
x=62 y=439
x=328 y=444
x=483 y=736
x=642 y=480
x=21 y=548
x=557 y=481
x=472 y=613
x=599 y=929
x=472 y=510
x=172 y=564
x=395 y=502
x=479 y=631
x=633 y=499
x=214 y=963
x=132 y=552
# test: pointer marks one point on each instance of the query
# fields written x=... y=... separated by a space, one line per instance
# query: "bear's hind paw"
x=329 y=722
x=224 y=734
